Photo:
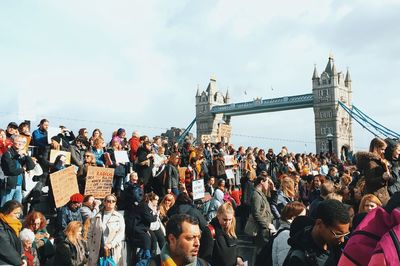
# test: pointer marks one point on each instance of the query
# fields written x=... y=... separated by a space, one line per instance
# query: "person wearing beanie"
x=68 y=213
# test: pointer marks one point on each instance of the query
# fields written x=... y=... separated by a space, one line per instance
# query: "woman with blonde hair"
x=73 y=250
x=368 y=203
x=222 y=227
x=286 y=194
x=166 y=203
x=106 y=233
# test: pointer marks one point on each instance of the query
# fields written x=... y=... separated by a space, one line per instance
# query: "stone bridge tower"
x=333 y=126
x=209 y=124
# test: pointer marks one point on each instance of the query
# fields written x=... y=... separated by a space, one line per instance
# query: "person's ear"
x=172 y=240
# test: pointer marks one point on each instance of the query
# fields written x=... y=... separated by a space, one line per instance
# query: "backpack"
x=387 y=251
x=264 y=257
x=368 y=236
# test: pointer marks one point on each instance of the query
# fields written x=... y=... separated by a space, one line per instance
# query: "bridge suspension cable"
x=368 y=123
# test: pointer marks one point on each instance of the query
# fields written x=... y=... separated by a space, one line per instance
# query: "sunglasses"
x=338 y=236
x=110 y=201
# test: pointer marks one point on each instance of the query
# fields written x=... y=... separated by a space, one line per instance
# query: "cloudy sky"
x=137 y=64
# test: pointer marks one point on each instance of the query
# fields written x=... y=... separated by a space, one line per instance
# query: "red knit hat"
x=76 y=198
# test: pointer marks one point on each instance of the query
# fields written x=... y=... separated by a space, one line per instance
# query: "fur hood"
x=363 y=158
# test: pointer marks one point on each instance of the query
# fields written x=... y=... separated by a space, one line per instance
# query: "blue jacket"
x=39 y=138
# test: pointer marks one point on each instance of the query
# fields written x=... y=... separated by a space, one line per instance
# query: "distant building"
x=174 y=133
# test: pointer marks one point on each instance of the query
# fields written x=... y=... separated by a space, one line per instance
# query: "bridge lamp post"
x=329 y=137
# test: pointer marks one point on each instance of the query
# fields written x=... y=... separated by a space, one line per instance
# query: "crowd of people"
x=299 y=209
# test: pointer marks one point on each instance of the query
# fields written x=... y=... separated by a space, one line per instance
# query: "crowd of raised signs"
x=78 y=198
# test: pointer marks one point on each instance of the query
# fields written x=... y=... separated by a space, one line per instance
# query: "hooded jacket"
x=304 y=251
x=372 y=168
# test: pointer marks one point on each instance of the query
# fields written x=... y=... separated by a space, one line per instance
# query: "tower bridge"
x=333 y=125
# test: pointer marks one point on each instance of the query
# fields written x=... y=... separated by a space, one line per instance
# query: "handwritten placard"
x=229 y=174
x=121 y=156
x=206 y=138
x=64 y=185
x=198 y=189
x=99 y=181
x=182 y=171
x=55 y=153
x=229 y=160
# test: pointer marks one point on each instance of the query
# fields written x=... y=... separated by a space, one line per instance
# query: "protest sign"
x=229 y=174
x=182 y=171
x=99 y=181
x=198 y=189
x=121 y=156
x=55 y=153
x=64 y=185
x=229 y=160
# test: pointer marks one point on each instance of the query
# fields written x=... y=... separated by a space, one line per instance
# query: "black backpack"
x=264 y=257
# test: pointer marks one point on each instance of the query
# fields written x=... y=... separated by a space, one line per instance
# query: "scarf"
x=15 y=224
x=166 y=259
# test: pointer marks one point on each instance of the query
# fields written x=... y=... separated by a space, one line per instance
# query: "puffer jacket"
x=372 y=168
x=394 y=183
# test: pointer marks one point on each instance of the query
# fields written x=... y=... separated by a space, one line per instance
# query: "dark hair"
x=87 y=197
x=174 y=224
x=299 y=223
x=327 y=187
x=259 y=179
x=44 y=120
x=183 y=198
x=9 y=206
x=332 y=211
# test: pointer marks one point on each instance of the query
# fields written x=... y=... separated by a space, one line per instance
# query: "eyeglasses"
x=338 y=236
x=110 y=201
x=87 y=155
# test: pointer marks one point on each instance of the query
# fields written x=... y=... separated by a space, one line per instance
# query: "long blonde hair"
x=71 y=230
x=227 y=208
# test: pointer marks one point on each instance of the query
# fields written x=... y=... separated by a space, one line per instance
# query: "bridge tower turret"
x=333 y=126
x=207 y=123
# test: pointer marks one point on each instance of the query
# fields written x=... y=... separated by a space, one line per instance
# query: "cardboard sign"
x=206 y=138
x=121 y=156
x=182 y=171
x=198 y=189
x=64 y=185
x=99 y=181
x=229 y=160
x=55 y=153
x=229 y=174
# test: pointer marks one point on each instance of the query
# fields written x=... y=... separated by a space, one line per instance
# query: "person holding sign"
x=106 y=233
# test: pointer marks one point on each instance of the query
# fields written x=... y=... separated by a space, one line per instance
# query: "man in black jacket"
x=320 y=244
x=14 y=162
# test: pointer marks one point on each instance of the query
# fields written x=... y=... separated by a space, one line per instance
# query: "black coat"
x=225 y=247
x=10 y=246
x=138 y=219
x=67 y=254
x=145 y=172
x=301 y=244
x=9 y=164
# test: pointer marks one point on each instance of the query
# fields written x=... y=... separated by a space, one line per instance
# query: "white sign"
x=121 y=156
x=198 y=189
x=229 y=160
x=229 y=174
